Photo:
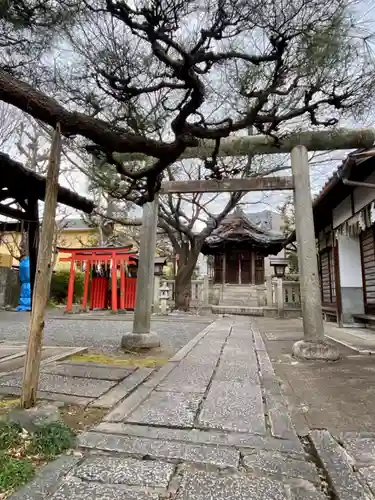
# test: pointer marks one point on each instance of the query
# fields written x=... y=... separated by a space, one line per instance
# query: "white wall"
x=364 y=196
x=342 y=212
x=350 y=262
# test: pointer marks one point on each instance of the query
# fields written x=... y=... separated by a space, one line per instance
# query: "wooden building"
x=238 y=249
x=344 y=217
x=20 y=191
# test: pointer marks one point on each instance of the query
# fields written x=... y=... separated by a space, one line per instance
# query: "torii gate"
x=299 y=144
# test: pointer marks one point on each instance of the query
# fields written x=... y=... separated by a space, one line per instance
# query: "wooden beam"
x=42 y=278
x=12 y=227
x=13 y=213
x=228 y=185
x=320 y=140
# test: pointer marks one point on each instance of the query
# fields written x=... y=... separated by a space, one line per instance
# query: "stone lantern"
x=164 y=296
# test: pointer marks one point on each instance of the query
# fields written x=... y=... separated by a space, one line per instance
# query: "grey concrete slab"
x=160 y=375
x=299 y=493
x=129 y=471
x=47 y=479
x=335 y=460
x=200 y=485
x=160 y=449
x=126 y=407
x=50 y=396
x=240 y=440
x=189 y=346
x=265 y=365
x=75 y=489
x=361 y=449
x=122 y=389
x=281 y=423
x=235 y=368
x=167 y=408
x=234 y=406
x=189 y=376
x=10 y=351
x=88 y=370
x=368 y=473
x=63 y=385
x=48 y=353
x=271 y=463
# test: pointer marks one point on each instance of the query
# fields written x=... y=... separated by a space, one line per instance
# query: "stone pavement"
x=211 y=424
x=82 y=384
x=12 y=355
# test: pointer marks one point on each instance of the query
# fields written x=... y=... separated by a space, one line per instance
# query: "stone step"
x=237 y=302
x=241 y=310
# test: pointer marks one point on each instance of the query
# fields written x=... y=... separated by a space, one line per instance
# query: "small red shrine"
x=109 y=277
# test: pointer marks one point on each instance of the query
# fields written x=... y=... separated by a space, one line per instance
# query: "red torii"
x=118 y=257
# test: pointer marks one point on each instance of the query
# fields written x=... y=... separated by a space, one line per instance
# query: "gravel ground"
x=103 y=335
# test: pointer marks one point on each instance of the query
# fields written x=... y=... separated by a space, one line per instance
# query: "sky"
x=320 y=170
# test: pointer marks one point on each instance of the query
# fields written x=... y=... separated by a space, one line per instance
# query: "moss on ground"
x=131 y=361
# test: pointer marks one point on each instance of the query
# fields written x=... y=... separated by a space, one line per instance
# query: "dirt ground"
x=76 y=417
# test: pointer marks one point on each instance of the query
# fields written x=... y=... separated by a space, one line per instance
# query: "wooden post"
x=69 y=300
x=252 y=267
x=40 y=293
x=239 y=268
x=122 y=284
x=114 y=282
x=86 y=284
x=33 y=239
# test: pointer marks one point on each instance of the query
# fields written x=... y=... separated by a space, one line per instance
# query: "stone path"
x=83 y=384
x=211 y=424
x=12 y=355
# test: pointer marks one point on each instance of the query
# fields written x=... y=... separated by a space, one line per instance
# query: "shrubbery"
x=59 y=286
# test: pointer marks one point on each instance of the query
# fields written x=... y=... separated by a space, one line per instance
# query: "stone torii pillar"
x=313 y=345
x=141 y=337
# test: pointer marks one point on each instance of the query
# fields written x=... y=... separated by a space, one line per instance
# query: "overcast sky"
x=320 y=170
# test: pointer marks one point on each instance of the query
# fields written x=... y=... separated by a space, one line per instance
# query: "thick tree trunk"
x=183 y=291
x=183 y=278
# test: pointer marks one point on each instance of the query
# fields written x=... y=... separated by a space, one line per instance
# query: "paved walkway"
x=212 y=424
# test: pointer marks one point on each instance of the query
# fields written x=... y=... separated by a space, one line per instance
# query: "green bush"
x=59 y=286
x=51 y=440
x=10 y=435
x=14 y=472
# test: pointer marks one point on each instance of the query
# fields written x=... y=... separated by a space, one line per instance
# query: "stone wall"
x=9 y=287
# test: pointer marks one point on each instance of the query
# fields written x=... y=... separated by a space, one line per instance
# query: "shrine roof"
x=238 y=228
